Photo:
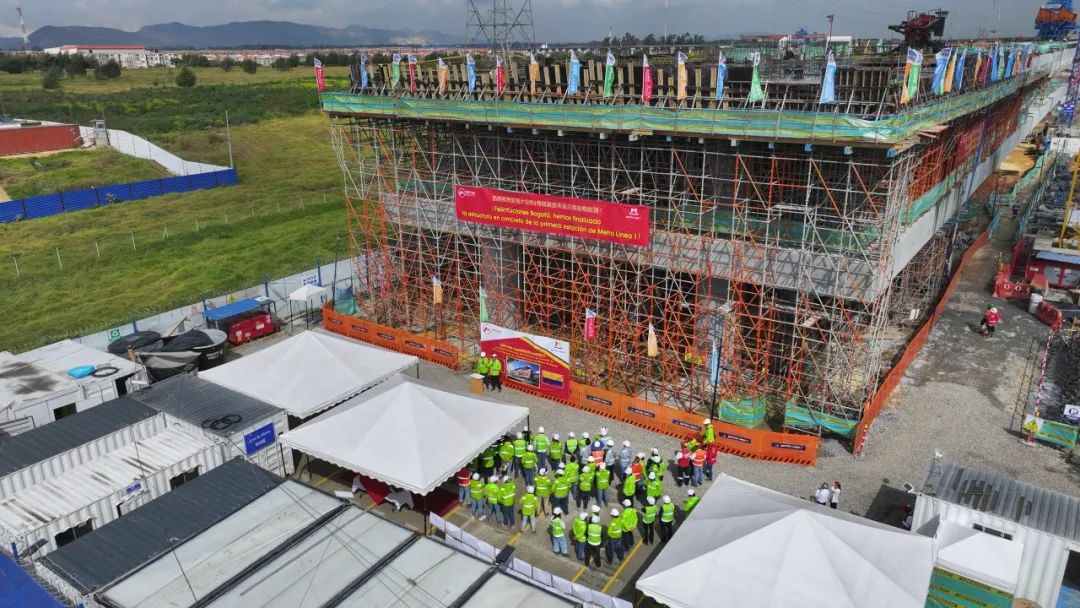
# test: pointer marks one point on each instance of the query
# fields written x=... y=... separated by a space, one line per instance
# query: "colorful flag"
x=500 y=75
x=950 y=72
x=590 y=324
x=436 y=290
x=609 y=76
x=1001 y=64
x=958 y=78
x=470 y=67
x=911 y=76
x=941 y=64
x=1030 y=55
x=363 y=71
x=395 y=71
x=412 y=73
x=680 y=92
x=652 y=348
x=444 y=76
x=483 y=306
x=320 y=79
x=721 y=75
x=534 y=73
x=993 y=64
x=976 y=74
x=574 y=77
x=828 y=85
x=714 y=363
x=756 y=92
x=1010 y=64
x=646 y=80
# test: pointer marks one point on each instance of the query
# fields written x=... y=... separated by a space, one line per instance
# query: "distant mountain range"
x=230 y=35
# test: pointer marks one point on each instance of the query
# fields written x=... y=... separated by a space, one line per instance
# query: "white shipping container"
x=104 y=489
x=274 y=457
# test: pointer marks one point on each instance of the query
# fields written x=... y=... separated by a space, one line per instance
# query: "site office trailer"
x=80 y=518
x=256 y=442
x=79 y=456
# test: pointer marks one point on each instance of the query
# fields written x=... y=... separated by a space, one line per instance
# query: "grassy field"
x=166 y=78
x=33 y=176
x=217 y=240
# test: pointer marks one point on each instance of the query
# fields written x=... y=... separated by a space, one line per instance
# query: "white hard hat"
x=667 y=500
x=610 y=442
x=493 y=478
x=603 y=430
x=585 y=434
x=690 y=492
x=650 y=500
x=530 y=448
x=529 y=489
x=560 y=472
x=595 y=519
x=626 y=503
x=603 y=465
x=476 y=476
x=652 y=475
x=570 y=434
x=708 y=421
x=557 y=511
x=540 y=430
x=483 y=354
x=555 y=436
x=591 y=459
x=629 y=470
x=543 y=470
x=626 y=444
x=655 y=451
x=614 y=512
x=641 y=455
x=562 y=465
x=506 y=478
x=656 y=458
x=525 y=428
x=520 y=436
x=583 y=516
x=596 y=508
x=993 y=309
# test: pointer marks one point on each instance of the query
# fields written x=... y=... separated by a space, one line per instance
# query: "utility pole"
x=22 y=26
x=828 y=36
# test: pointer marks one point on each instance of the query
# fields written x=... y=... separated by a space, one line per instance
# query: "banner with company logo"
x=596 y=220
x=538 y=363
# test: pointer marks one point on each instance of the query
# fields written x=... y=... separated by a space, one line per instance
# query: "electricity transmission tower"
x=500 y=23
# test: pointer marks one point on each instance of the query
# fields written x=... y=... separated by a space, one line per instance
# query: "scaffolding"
x=777 y=251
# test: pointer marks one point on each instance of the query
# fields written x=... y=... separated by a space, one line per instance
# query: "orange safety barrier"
x=1049 y=314
x=1010 y=290
x=394 y=339
x=892 y=379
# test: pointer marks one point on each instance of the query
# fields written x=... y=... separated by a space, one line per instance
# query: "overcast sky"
x=555 y=19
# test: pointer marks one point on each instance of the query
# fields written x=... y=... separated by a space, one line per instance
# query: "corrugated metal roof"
x=200 y=402
x=230 y=310
x=31 y=508
x=60 y=357
x=31 y=447
x=1027 y=505
x=119 y=547
x=1054 y=256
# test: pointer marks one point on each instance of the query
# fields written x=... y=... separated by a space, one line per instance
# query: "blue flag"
x=470 y=65
x=828 y=85
x=721 y=76
x=993 y=64
x=714 y=364
x=1011 y=63
x=575 y=74
x=941 y=64
x=363 y=71
x=958 y=77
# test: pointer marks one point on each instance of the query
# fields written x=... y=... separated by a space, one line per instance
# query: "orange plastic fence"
x=874 y=405
x=393 y=339
x=1050 y=314
x=1009 y=290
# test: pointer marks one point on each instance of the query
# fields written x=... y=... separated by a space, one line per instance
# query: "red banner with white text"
x=596 y=220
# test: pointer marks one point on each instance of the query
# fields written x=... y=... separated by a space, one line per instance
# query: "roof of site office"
x=867 y=109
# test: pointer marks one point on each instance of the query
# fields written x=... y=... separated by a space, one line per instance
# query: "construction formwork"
x=779 y=251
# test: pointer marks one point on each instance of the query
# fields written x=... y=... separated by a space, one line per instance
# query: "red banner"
x=596 y=220
x=320 y=77
x=537 y=363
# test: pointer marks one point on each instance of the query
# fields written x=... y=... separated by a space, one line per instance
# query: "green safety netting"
x=748 y=412
x=801 y=417
x=736 y=123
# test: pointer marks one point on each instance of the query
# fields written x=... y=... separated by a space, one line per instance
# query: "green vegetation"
x=185 y=78
x=164 y=78
x=34 y=176
x=50 y=79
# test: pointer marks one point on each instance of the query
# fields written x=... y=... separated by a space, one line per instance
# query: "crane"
x=919 y=27
x=22 y=25
x=1055 y=20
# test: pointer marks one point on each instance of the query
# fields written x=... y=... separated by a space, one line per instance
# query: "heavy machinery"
x=920 y=27
x=1055 y=20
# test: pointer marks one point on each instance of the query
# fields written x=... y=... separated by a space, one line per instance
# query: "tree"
x=228 y=63
x=111 y=69
x=249 y=66
x=51 y=78
x=294 y=60
x=186 y=78
x=281 y=63
x=650 y=39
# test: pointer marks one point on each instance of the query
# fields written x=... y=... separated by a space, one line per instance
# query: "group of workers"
x=595 y=473
x=490 y=367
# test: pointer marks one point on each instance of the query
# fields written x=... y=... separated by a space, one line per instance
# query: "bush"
x=249 y=66
x=111 y=69
x=186 y=78
x=51 y=78
x=228 y=63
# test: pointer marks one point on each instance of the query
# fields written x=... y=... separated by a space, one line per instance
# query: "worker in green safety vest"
x=654 y=487
x=519 y=452
x=594 y=535
x=540 y=440
x=572 y=469
x=630 y=522
x=648 y=519
x=506 y=455
x=495 y=373
x=580 y=524
x=558 y=532
x=487 y=461
x=585 y=487
x=507 y=494
x=528 y=464
x=483 y=367
x=692 y=499
x=571 y=443
x=710 y=434
x=629 y=484
x=543 y=490
x=476 y=496
x=560 y=491
x=614 y=533
x=555 y=450
x=667 y=519
x=603 y=482
x=529 y=504
x=493 y=494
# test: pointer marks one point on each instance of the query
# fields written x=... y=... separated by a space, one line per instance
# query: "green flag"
x=395 y=71
x=483 y=306
x=756 y=93
x=609 y=76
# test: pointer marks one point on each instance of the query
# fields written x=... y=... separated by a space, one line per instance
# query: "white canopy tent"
x=405 y=433
x=307 y=292
x=309 y=372
x=979 y=556
x=745 y=545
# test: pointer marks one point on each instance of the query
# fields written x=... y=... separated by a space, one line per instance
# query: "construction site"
x=789 y=248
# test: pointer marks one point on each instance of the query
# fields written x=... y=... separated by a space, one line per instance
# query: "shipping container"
x=28 y=139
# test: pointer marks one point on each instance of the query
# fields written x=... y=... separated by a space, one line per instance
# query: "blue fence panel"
x=200 y=181
x=77 y=200
x=10 y=211
x=121 y=192
x=146 y=189
x=172 y=185
x=42 y=206
x=227 y=177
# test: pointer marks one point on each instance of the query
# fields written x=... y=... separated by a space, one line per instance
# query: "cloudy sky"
x=555 y=19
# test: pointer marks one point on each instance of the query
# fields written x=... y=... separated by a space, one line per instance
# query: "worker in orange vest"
x=464 y=476
x=697 y=467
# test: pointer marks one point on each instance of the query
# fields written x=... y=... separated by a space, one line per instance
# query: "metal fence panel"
x=77 y=200
x=42 y=206
x=145 y=189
